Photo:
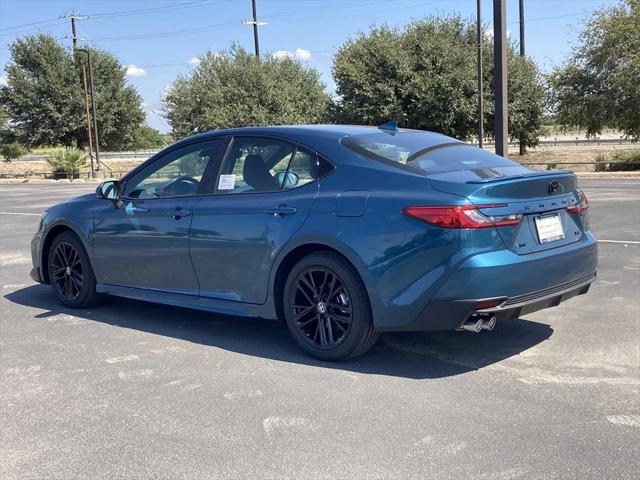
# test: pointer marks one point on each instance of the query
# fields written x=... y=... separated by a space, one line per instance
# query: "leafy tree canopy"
x=44 y=98
x=233 y=89
x=599 y=85
x=425 y=76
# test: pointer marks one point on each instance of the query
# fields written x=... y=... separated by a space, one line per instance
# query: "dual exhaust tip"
x=477 y=324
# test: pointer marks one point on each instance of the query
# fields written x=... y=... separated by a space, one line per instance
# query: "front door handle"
x=178 y=213
x=280 y=210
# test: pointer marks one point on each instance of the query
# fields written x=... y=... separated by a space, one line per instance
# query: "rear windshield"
x=425 y=151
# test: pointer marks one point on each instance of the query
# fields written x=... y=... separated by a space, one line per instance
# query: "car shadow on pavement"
x=419 y=355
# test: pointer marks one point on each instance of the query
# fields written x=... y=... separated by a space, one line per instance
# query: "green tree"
x=44 y=101
x=232 y=89
x=147 y=137
x=425 y=76
x=599 y=85
x=12 y=151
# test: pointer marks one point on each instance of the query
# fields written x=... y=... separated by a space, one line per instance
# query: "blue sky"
x=159 y=38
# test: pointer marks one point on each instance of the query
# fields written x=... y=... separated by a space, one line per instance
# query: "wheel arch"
x=50 y=236
x=300 y=250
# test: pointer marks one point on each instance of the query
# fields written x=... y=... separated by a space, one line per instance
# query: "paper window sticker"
x=227 y=182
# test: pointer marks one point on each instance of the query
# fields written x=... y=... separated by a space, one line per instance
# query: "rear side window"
x=261 y=165
x=255 y=165
x=426 y=151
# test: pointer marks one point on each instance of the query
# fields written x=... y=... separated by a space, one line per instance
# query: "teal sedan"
x=341 y=232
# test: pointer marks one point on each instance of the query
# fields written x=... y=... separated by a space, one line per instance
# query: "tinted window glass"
x=427 y=151
x=324 y=167
x=459 y=157
x=255 y=164
x=177 y=173
x=303 y=169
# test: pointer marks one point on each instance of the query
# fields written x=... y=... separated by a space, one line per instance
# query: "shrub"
x=620 y=161
x=12 y=151
x=602 y=162
x=626 y=160
x=67 y=162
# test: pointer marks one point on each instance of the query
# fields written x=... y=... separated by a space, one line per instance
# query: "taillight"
x=462 y=216
x=580 y=207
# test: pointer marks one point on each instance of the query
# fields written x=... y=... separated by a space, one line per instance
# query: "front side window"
x=178 y=173
x=255 y=165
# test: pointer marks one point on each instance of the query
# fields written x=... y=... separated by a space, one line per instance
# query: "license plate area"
x=549 y=228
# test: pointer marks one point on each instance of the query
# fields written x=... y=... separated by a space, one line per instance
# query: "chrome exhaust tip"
x=473 y=325
x=489 y=323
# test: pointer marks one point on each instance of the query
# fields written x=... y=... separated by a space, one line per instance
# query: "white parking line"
x=20 y=213
x=632 y=242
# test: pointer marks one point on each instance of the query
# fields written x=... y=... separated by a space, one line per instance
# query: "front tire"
x=327 y=309
x=70 y=272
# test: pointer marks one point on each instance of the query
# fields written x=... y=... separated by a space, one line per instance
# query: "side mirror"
x=290 y=181
x=108 y=190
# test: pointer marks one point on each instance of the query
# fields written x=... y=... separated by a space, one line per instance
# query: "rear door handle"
x=280 y=210
x=178 y=213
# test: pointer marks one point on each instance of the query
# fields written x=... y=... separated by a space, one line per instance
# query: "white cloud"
x=3 y=80
x=299 y=54
x=195 y=61
x=133 y=71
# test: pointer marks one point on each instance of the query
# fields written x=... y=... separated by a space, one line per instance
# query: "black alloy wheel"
x=321 y=307
x=326 y=308
x=67 y=274
x=70 y=272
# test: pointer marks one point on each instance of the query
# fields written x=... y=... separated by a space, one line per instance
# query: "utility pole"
x=500 y=76
x=256 y=23
x=255 y=29
x=521 y=5
x=74 y=38
x=86 y=106
x=93 y=106
x=480 y=82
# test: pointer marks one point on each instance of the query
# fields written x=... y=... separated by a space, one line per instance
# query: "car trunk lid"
x=542 y=198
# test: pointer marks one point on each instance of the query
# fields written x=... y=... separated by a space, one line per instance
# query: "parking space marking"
x=631 y=242
x=20 y=213
x=625 y=420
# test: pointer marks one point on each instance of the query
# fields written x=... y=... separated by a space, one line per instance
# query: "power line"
x=147 y=11
x=7 y=34
x=28 y=24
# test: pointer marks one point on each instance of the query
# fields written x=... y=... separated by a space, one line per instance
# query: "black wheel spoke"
x=316 y=310
x=299 y=315
x=66 y=270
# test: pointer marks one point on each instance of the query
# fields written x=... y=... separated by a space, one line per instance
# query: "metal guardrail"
x=579 y=142
x=103 y=156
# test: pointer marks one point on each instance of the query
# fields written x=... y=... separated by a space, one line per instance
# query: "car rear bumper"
x=445 y=297
x=451 y=314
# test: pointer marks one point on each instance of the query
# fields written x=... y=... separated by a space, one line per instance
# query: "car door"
x=262 y=196
x=142 y=239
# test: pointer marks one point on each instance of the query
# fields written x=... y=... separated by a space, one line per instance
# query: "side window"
x=302 y=170
x=254 y=165
x=178 y=173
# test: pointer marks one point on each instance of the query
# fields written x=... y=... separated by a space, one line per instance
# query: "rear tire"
x=327 y=309
x=70 y=272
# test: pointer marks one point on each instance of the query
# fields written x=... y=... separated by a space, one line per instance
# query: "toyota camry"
x=341 y=232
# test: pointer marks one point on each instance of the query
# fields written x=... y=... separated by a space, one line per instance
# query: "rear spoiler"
x=524 y=175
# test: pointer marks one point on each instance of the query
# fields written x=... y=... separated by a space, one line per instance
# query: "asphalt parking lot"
x=135 y=390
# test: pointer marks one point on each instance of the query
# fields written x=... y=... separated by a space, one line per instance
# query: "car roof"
x=321 y=131
x=324 y=139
